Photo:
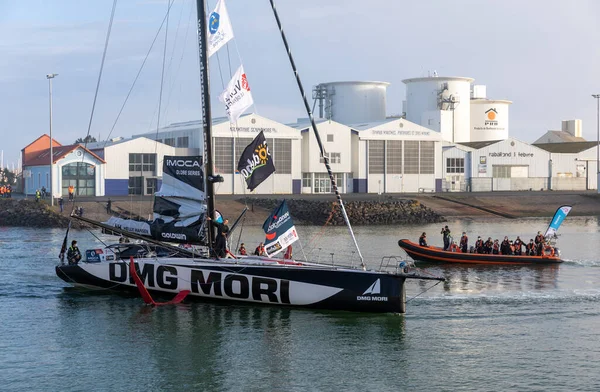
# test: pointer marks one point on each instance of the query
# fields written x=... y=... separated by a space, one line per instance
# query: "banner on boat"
x=237 y=96
x=280 y=231
x=256 y=162
x=219 y=28
x=559 y=216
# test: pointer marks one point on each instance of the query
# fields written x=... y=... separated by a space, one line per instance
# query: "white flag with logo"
x=219 y=28
x=237 y=97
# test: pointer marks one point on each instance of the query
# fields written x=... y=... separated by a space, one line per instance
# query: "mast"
x=206 y=116
x=314 y=127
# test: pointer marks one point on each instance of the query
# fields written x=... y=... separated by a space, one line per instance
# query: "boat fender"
x=548 y=251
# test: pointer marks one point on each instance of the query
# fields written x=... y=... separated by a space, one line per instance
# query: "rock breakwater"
x=363 y=212
x=28 y=213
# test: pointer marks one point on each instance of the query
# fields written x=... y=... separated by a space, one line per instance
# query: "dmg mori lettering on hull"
x=371 y=298
x=163 y=276
x=245 y=287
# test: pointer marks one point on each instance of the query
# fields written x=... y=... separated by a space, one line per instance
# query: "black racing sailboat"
x=252 y=279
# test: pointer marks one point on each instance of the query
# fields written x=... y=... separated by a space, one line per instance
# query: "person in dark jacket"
x=73 y=254
x=423 y=239
x=221 y=240
x=518 y=244
x=446 y=237
x=488 y=245
x=479 y=245
x=464 y=243
x=531 y=248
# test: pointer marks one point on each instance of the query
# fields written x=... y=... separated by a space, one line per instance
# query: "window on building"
x=322 y=160
x=136 y=185
x=240 y=146
x=223 y=155
x=394 y=156
x=151 y=184
x=142 y=162
x=501 y=171
x=306 y=180
x=455 y=165
x=427 y=163
x=339 y=181
x=322 y=183
x=82 y=176
x=170 y=141
x=335 y=157
x=282 y=155
x=411 y=157
x=376 y=155
x=330 y=138
x=183 y=142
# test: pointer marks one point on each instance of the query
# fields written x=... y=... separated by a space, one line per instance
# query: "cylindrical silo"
x=352 y=102
x=442 y=104
x=489 y=119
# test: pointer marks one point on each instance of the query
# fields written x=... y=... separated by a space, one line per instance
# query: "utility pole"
x=50 y=77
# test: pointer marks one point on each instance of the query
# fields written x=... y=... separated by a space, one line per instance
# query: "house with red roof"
x=72 y=165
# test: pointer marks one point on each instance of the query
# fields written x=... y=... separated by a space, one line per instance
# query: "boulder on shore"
x=364 y=212
x=29 y=213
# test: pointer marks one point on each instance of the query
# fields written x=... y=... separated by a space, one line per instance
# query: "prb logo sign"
x=491 y=116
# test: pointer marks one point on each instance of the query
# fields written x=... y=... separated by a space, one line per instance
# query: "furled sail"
x=179 y=205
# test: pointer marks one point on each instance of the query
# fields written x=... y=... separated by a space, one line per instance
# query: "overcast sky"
x=544 y=55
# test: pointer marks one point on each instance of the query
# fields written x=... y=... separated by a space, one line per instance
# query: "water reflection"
x=477 y=279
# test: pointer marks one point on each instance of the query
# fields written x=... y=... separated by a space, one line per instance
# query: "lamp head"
x=51 y=76
x=596 y=96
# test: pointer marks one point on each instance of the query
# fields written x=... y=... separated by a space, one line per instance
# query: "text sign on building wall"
x=513 y=154
x=394 y=132
x=253 y=129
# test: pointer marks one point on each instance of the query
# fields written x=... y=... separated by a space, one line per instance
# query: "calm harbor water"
x=486 y=329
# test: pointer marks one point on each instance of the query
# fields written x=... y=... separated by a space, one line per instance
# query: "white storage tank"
x=442 y=104
x=489 y=119
x=352 y=102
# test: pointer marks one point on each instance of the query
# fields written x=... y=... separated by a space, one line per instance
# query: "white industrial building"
x=133 y=166
x=512 y=165
x=337 y=141
x=451 y=138
x=396 y=156
x=230 y=140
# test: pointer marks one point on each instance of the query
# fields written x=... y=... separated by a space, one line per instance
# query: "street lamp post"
x=50 y=77
x=597 y=96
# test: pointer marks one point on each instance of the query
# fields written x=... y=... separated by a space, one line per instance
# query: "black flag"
x=256 y=162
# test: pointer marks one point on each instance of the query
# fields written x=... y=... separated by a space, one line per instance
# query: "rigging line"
x=136 y=79
x=237 y=50
x=162 y=74
x=318 y=137
x=220 y=71
x=423 y=292
x=229 y=61
x=171 y=79
x=110 y=23
x=180 y=59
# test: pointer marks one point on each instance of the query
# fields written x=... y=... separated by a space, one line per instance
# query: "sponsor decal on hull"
x=219 y=284
x=370 y=293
